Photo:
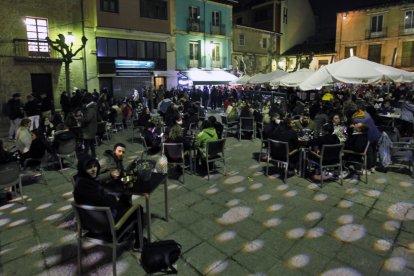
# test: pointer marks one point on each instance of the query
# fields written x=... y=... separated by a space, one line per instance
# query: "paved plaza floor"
x=243 y=223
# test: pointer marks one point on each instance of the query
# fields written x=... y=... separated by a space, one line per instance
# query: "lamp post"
x=64 y=45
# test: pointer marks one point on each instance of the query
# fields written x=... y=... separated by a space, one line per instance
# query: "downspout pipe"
x=85 y=75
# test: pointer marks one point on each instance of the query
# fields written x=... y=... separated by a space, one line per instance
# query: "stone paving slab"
x=244 y=223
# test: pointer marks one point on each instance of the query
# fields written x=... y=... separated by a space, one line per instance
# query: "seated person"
x=47 y=127
x=386 y=108
x=72 y=119
x=339 y=128
x=144 y=117
x=207 y=134
x=112 y=169
x=152 y=139
x=285 y=133
x=356 y=142
x=327 y=138
x=88 y=191
x=304 y=122
x=218 y=126
x=62 y=134
x=24 y=137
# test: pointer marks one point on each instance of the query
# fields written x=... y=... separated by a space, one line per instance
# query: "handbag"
x=160 y=256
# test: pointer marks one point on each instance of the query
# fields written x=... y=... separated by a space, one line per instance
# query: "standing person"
x=65 y=103
x=214 y=97
x=205 y=97
x=32 y=108
x=362 y=116
x=89 y=124
x=46 y=106
x=15 y=113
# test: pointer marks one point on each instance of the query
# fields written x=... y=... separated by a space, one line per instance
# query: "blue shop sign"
x=134 y=64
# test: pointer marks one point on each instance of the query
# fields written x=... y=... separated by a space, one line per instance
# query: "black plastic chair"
x=228 y=126
x=364 y=159
x=97 y=225
x=247 y=124
x=215 y=152
x=175 y=155
x=278 y=152
x=10 y=177
x=137 y=128
x=329 y=157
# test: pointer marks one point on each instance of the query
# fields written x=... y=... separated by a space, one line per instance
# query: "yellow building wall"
x=353 y=29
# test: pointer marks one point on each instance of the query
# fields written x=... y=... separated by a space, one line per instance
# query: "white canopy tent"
x=355 y=70
x=293 y=79
x=243 y=80
x=266 y=78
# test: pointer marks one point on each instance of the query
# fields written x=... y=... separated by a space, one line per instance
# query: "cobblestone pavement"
x=243 y=223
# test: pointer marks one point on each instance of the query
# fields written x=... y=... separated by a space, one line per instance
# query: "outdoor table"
x=145 y=190
x=391 y=116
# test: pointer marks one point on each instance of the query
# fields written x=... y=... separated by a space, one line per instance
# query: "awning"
x=200 y=77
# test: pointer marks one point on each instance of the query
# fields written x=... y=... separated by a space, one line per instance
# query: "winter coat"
x=206 y=135
x=89 y=122
x=108 y=163
x=15 y=109
x=363 y=117
x=407 y=110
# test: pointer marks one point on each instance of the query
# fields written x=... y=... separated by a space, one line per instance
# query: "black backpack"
x=160 y=256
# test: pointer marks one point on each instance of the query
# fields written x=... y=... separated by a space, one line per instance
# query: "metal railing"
x=370 y=34
x=405 y=30
x=34 y=49
x=194 y=25
x=407 y=61
x=218 y=29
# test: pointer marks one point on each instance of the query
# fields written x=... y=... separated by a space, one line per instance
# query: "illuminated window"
x=409 y=20
x=350 y=51
x=194 y=50
x=241 y=39
x=193 y=13
x=215 y=53
x=215 y=18
x=37 y=30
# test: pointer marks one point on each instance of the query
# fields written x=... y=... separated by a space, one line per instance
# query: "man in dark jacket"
x=32 y=108
x=65 y=103
x=89 y=124
x=15 y=113
x=111 y=164
x=89 y=192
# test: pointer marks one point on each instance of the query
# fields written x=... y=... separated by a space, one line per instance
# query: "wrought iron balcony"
x=406 y=30
x=194 y=25
x=218 y=29
x=34 y=50
x=370 y=34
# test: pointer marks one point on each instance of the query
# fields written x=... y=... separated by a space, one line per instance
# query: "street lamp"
x=64 y=45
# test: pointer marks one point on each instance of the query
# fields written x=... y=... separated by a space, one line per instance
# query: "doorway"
x=158 y=81
x=42 y=84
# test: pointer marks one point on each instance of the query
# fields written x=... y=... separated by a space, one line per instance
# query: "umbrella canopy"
x=266 y=78
x=243 y=79
x=357 y=71
x=293 y=79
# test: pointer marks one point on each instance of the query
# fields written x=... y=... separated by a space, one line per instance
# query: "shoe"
x=344 y=174
x=363 y=172
x=373 y=170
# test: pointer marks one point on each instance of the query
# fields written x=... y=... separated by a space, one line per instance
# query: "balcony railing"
x=369 y=34
x=31 y=49
x=218 y=29
x=407 y=61
x=194 y=25
x=405 y=30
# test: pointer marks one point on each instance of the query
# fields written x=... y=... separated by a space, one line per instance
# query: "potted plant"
x=144 y=169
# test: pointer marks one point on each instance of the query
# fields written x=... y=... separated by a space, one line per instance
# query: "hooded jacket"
x=89 y=121
x=88 y=191
x=206 y=135
x=108 y=163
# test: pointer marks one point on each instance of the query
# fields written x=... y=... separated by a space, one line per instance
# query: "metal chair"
x=136 y=128
x=329 y=157
x=364 y=159
x=278 y=151
x=215 y=152
x=144 y=146
x=102 y=131
x=66 y=149
x=264 y=144
x=228 y=126
x=175 y=155
x=10 y=177
x=97 y=225
x=247 y=124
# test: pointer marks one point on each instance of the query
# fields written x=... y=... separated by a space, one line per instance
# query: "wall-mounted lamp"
x=70 y=38
x=344 y=15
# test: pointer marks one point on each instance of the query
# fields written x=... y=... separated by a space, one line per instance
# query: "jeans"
x=14 y=125
x=89 y=144
x=35 y=121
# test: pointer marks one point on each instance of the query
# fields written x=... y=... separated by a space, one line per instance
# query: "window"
x=241 y=39
x=376 y=23
x=409 y=20
x=193 y=13
x=156 y=9
x=264 y=43
x=350 y=51
x=322 y=62
x=37 y=30
x=122 y=50
x=215 y=52
x=407 y=59
x=109 y=5
x=194 y=50
x=262 y=14
x=374 y=53
x=215 y=18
